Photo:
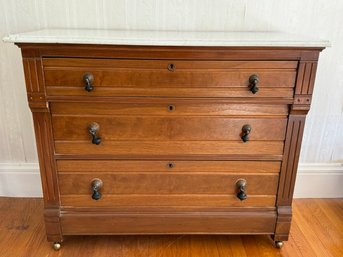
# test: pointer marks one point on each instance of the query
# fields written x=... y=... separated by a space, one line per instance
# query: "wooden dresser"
x=158 y=134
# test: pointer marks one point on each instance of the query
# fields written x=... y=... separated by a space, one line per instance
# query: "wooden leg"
x=283 y=223
x=52 y=225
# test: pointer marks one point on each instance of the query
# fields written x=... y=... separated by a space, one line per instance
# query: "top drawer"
x=173 y=78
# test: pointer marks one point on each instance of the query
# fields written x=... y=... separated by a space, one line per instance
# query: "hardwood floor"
x=317 y=230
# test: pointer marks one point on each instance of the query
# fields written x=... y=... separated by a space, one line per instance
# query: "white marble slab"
x=164 y=38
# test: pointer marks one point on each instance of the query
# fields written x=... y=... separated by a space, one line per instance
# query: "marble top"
x=165 y=38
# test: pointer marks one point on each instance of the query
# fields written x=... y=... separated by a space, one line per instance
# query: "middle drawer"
x=77 y=129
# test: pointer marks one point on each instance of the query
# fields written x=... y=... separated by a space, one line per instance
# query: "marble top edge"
x=166 y=38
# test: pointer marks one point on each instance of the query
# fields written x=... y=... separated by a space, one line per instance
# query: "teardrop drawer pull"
x=88 y=79
x=246 y=130
x=96 y=186
x=241 y=184
x=253 y=81
x=93 y=129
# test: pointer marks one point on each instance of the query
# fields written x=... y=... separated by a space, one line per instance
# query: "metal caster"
x=278 y=244
x=56 y=246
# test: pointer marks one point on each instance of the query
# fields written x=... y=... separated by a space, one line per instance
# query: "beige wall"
x=323 y=142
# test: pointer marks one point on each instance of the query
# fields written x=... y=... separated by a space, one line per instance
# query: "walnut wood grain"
x=288 y=175
x=304 y=85
x=150 y=128
x=283 y=223
x=230 y=206
x=193 y=157
x=56 y=63
x=45 y=151
x=52 y=224
x=44 y=141
x=170 y=92
x=306 y=77
x=154 y=107
x=35 y=87
x=155 y=79
x=114 y=166
x=152 y=78
x=189 y=202
x=195 y=223
x=167 y=183
x=161 y=148
x=290 y=160
x=169 y=52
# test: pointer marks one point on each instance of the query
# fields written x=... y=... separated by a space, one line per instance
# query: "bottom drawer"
x=182 y=223
x=182 y=186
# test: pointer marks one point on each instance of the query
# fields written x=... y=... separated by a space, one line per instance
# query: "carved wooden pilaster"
x=46 y=159
x=290 y=160
x=35 y=84
x=295 y=128
x=304 y=85
x=34 y=78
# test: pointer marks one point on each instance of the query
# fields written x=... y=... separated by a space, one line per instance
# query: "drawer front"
x=114 y=77
x=185 y=184
x=163 y=128
x=161 y=149
x=143 y=129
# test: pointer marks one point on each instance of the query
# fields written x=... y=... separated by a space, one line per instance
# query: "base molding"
x=233 y=223
x=20 y=180
x=23 y=180
x=319 y=180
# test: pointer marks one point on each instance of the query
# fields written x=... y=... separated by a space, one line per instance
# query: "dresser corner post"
x=34 y=80
x=296 y=122
x=288 y=174
x=52 y=225
x=44 y=142
x=283 y=224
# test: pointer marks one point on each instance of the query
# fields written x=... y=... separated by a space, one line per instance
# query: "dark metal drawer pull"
x=88 y=79
x=253 y=81
x=246 y=130
x=241 y=184
x=93 y=129
x=96 y=185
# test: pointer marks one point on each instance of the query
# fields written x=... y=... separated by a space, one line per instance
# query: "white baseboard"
x=314 y=180
x=319 y=180
x=20 y=180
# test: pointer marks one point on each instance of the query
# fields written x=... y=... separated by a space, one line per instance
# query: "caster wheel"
x=278 y=244
x=56 y=246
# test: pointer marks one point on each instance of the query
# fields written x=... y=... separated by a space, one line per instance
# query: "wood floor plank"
x=334 y=213
x=297 y=245
x=317 y=230
x=306 y=227
x=321 y=226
